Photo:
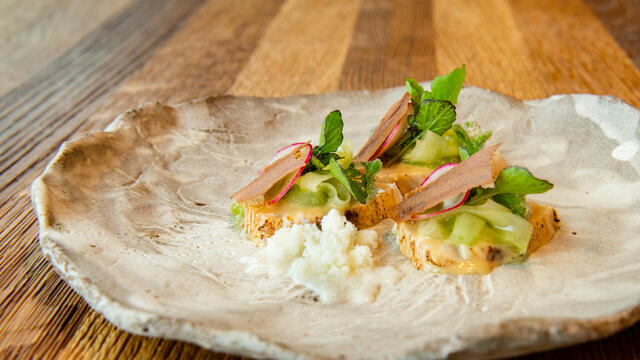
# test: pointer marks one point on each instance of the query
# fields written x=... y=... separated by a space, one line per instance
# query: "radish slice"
x=448 y=204
x=295 y=175
x=280 y=153
x=393 y=138
x=437 y=173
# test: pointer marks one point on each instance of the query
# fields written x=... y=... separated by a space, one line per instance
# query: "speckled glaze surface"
x=134 y=218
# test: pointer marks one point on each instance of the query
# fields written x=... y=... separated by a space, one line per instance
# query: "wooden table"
x=68 y=67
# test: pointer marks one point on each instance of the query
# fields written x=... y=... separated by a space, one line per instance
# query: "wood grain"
x=392 y=40
x=302 y=51
x=64 y=327
x=173 y=50
x=583 y=56
x=202 y=59
x=37 y=116
x=496 y=56
x=34 y=32
x=622 y=20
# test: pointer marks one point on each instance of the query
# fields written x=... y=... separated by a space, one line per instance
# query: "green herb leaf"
x=514 y=202
x=434 y=110
x=237 y=216
x=447 y=87
x=330 y=140
x=360 y=184
x=464 y=153
x=510 y=189
x=371 y=169
x=314 y=164
x=415 y=90
x=331 y=133
x=436 y=115
x=518 y=180
x=470 y=145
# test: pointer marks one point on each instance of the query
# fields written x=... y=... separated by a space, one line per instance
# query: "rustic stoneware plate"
x=135 y=220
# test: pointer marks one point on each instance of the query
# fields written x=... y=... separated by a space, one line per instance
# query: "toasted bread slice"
x=434 y=254
x=376 y=209
x=406 y=177
x=261 y=222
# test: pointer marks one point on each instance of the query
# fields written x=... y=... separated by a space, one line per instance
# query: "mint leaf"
x=359 y=184
x=415 y=90
x=371 y=169
x=447 y=87
x=331 y=132
x=518 y=180
x=433 y=110
x=470 y=145
x=436 y=115
x=510 y=189
x=330 y=140
x=514 y=202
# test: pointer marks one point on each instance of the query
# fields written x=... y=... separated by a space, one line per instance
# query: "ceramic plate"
x=134 y=218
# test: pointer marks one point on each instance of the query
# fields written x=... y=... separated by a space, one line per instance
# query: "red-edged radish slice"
x=288 y=167
x=280 y=153
x=295 y=175
x=447 y=204
x=394 y=137
x=437 y=173
x=478 y=170
x=394 y=116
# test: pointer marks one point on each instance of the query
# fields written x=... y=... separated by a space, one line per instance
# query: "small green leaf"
x=514 y=202
x=447 y=87
x=359 y=184
x=237 y=216
x=371 y=169
x=510 y=189
x=415 y=90
x=331 y=133
x=436 y=115
x=518 y=180
x=464 y=153
x=471 y=144
x=341 y=175
x=316 y=162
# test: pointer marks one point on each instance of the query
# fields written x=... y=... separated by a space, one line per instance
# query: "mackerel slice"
x=478 y=170
x=398 y=110
x=293 y=161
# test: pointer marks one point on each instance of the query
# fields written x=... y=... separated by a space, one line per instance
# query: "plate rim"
x=571 y=331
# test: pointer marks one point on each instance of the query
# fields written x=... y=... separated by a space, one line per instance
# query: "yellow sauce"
x=287 y=208
x=439 y=256
x=407 y=177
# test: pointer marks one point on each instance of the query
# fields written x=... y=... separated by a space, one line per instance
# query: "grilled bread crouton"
x=437 y=255
x=262 y=221
x=406 y=177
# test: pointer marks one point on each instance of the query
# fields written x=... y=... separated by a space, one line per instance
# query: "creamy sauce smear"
x=337 y=263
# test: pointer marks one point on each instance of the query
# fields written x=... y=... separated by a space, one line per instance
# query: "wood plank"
x=220 y=37
x=40 y=317
x=302 y=51
x=202 y=59
x=622 y=19
x=34 y=32
x=36 y=116
x=494 y=51
x=392 y=40
x=578 y=54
